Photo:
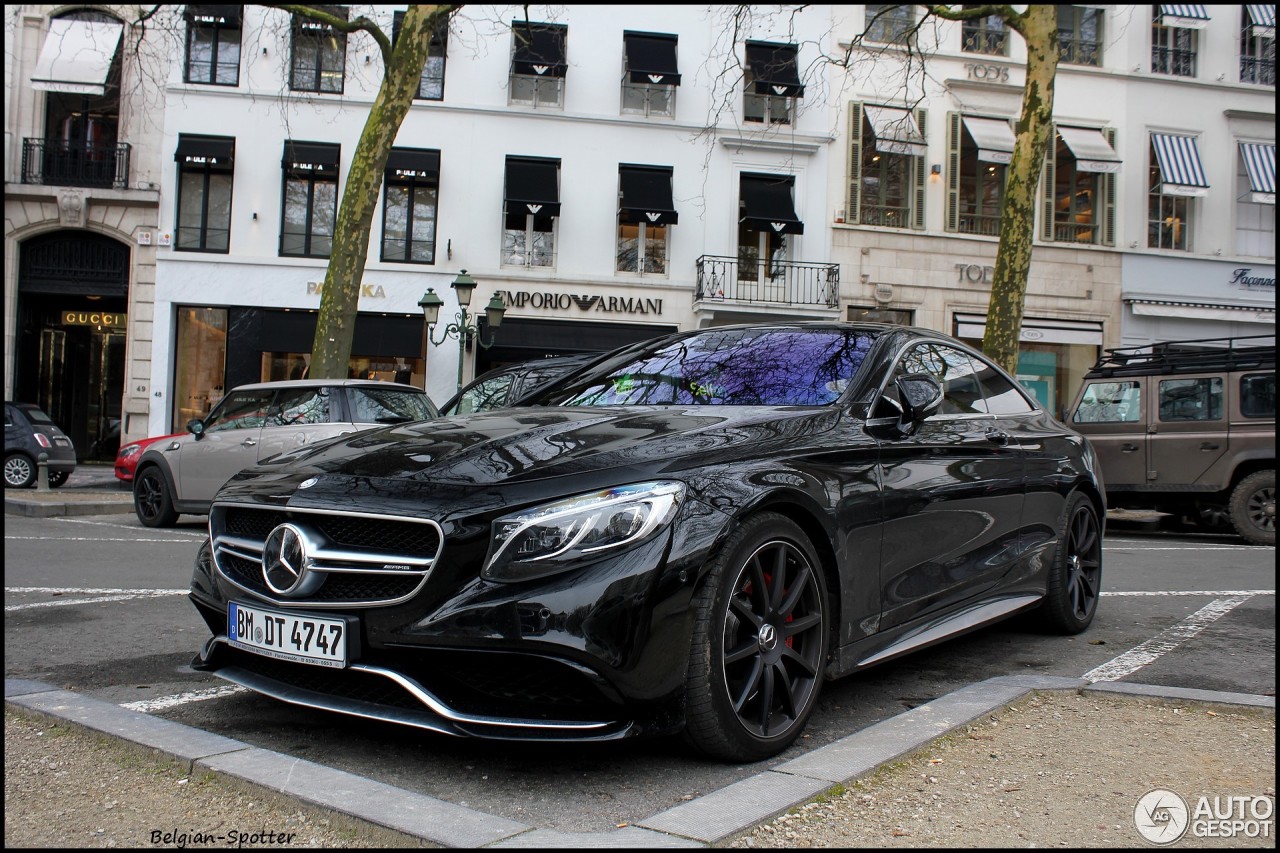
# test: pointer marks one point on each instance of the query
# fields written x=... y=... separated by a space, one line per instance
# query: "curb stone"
x=706 y=821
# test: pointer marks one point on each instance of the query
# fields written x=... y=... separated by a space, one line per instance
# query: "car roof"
x=319 y=383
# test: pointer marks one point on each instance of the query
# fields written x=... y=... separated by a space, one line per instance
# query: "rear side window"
x=1191 y=399
x=1110 y=403
x=390 y=405
x=1258 y=395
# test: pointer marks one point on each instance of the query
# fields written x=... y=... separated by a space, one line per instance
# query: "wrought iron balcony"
x=53 y=162
x=777 y=282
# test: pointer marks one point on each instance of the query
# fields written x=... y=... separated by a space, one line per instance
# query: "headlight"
x=557 y=536
x=130 y=450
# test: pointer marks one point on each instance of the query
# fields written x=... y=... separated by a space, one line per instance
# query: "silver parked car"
x=253 y=423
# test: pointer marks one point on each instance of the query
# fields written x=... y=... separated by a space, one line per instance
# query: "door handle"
x=1128 y=448
x=998 y=437
x=1208 y=445
x=248 y=442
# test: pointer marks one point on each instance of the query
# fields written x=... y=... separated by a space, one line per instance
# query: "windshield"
x=773 y=366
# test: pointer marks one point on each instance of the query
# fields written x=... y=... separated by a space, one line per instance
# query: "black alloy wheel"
x=151 y=501
x=1075 y=579
x=57 y=478
x=19 y=472
x=760 y=643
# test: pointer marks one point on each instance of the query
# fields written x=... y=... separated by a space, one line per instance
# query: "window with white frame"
x=531 y=210
x=1258 y=45
x=1256 y=200
x=538 y=64
x=890 y=24
x=1173 y=41
x=645 y=214
x=650 y=74
x=1080 y=35
x=1175 y=180
x=989 y=35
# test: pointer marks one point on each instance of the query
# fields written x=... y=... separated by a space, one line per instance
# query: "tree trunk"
x=335 y=328
x=1039 y=28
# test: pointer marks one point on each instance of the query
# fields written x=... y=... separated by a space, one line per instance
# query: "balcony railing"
x=53 y=162
x=987 y=224
x=1258 y=69
x=777 y=282
x=1075 y=232
x=1179 y=62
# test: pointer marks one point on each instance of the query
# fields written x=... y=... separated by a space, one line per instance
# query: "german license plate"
x=298 y=637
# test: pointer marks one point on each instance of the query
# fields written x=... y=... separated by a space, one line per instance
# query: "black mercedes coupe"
x=689 y=535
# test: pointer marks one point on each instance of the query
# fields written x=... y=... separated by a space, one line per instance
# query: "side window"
x=300 y=406
x=1003 y=397
x=961 y=393
x=240 y=410
x=1258 y=395
x=1110 y=402
x=486 y=395
x=1191 y=399
x=391 y=405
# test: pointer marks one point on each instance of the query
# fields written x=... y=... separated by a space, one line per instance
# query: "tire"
x=19 y=471
x=759 y=644
x=1075 y=578
x=1253 y=508
x=57 y=478
x=151 y=500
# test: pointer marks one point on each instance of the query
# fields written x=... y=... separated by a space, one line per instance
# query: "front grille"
x=354 y=559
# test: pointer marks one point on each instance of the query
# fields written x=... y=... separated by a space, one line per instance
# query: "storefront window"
x=296 y=365
x=199 y=363
x=1049 y=372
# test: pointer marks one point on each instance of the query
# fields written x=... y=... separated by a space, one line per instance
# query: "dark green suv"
x=1188 y=428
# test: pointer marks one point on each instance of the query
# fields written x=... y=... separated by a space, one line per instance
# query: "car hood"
x=516 y=445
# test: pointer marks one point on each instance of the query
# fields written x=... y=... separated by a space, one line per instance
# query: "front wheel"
x=151 y=500
x=1075 y=578
x=1253 y=508
x=759 y=643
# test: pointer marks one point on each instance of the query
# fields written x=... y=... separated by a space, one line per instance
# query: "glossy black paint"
x=919 y=535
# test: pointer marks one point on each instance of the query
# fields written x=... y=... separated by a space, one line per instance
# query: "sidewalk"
x=90 y=490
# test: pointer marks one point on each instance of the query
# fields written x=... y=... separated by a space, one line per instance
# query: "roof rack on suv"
x=1237 y=353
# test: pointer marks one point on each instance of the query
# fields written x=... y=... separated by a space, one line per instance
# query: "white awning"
x=1186 y=17
x=1181 y=172
x=974 y=327
x=993 y=136
x=1260 y=164
x=896 y=131
x=1093 y=152
x=1202 y=311
x=77 y=56
x=1262 y=21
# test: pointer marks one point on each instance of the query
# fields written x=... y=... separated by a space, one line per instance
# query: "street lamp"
x=463 y=329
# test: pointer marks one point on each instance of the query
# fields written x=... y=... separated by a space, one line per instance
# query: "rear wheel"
x=19 y=471
x=1253 y=508
x=57 y=478
x=151 y=500
x=759 y=643
x=1075 y=579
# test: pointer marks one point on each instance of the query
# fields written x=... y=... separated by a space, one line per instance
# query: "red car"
x=129 y=454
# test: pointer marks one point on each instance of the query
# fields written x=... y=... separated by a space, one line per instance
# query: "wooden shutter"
x=853 y=199
x=920 y=171
x=953 y=171
x=1109 y=196
x=1046 y=186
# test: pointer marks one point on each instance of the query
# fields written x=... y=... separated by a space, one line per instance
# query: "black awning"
x=651 y=58
x=773 y=68
x=646 y=195
x=533 y=186
x=539 y=49
x=215 y=16
x=421 y=163
x=311 y=158
x=213 y=151
x=767 y=205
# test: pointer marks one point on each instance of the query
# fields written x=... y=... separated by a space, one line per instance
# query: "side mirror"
x=195 y=426
x=921 y=397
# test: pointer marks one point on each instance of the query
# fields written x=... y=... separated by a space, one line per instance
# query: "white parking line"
x=165 y=702
x=94 y=539
x=1214 y=593
x=96 y=596
x=1166 y=641
x=196 y=534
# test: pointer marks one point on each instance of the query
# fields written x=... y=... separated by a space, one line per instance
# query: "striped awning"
x=1260 y=164
x=1262 y=20
x=1186 y=17
x=1181 y=172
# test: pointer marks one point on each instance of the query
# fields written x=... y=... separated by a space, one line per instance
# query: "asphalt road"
x=97 y=605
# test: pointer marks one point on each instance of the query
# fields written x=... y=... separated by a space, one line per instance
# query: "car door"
x=953 y=495
x=228 y=444
x=1188 y=429
x=1112 y=413
x=298 y=417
